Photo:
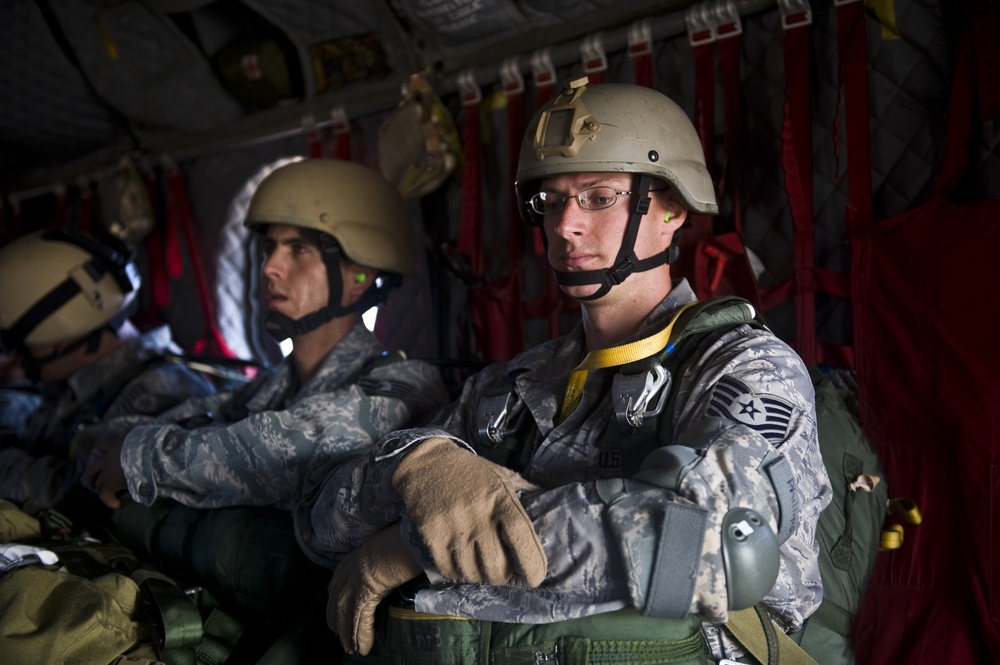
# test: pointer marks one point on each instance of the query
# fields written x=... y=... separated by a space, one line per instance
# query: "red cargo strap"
x=156 y=257
x=640 y=50
x=729 y=66
x=796 y=159
x=470 y=233
x=701 y=35
x=593 y=58
x=313 y=136
x=852 y=51
x=213 y=342
x=341 y=127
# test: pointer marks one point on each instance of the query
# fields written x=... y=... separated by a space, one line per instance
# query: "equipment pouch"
x=415 y=638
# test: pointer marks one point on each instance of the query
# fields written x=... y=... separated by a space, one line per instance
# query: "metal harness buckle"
x=493 y=414
x=631 y=393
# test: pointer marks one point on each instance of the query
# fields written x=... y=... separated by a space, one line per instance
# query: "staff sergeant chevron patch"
x=766 y=414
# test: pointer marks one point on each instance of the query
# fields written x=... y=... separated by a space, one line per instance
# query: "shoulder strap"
x=754 y=629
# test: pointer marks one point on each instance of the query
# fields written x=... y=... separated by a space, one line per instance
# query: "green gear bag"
x=850 y=528
x=56 y=617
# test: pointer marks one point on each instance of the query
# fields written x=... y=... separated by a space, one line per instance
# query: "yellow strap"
x=616 y=355
x=746 y=627
x=412 y=615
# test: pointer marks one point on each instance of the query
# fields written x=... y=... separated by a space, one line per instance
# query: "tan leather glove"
x=361 y=581
x=467 y=511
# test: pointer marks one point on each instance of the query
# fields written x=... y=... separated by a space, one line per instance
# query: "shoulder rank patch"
x=765 y=414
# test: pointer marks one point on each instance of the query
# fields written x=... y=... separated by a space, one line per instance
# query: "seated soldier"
x=336 y=239
x=675 y=475
x=65 y=298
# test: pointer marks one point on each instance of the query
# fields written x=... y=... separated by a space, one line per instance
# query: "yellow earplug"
x=667 y=218
x=360 y=277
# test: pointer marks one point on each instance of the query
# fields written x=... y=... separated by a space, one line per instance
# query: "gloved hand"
x=361 y=581
x=467 y=511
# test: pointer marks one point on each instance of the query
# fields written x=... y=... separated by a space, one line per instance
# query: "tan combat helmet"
x=615 y=128
x=59 y=285
x=352 y=203
x=353 y=211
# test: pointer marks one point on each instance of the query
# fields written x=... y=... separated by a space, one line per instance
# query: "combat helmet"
x=348 y=209
x=60 y=285
x=615 y=128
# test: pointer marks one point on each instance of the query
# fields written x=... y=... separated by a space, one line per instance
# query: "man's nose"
x=273 y=265
x=570 y=220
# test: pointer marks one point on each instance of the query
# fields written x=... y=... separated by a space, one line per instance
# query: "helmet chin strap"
x=281 y=327
x=626 y=262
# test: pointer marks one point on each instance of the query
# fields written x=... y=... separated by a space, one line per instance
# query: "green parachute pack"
x=244 y=592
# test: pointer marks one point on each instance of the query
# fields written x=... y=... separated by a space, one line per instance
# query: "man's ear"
x=675 y=214
x=359 y=279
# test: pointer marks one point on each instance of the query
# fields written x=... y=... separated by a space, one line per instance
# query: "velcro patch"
x=766 y=414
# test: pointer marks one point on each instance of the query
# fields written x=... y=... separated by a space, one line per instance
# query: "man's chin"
x=579 y=293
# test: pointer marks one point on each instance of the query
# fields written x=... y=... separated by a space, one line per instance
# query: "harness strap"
x=616 y=355
x=834 y=617
x=770 y=646
x=179 y=622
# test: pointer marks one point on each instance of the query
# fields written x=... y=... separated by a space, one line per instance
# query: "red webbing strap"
x=980 y=51
x=986 y=24
x=508 y=289
x=640 y=50
x=156 y=255
x=470 y=232
x=341 y=126
x=313 y=136
x=593 y=58
x=852 y=49
x=852 y=53
x=729 y=67
x=704 y=100
x=171 y=236
x=212 y=343
x=796 y=159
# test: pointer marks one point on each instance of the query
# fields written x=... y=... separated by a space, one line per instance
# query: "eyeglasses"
x=594 y=198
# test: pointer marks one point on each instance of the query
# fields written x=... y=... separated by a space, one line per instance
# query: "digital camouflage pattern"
x=256 y=445
x=48 y=454
x=601 y=534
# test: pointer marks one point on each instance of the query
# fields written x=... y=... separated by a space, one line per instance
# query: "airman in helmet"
x=65 y=301
x=606 y=491
x=335 y=238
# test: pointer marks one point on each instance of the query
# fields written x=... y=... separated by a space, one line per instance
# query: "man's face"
x=582 y=240
x=295 y=280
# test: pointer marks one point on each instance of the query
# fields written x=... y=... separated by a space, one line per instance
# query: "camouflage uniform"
x=256 y=445
x=47 y=457
x=591 y=569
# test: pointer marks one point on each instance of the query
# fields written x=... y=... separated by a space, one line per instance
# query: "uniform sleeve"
x=157 y=391
x=344 y=503
x=263 y=458
x=609 y=542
